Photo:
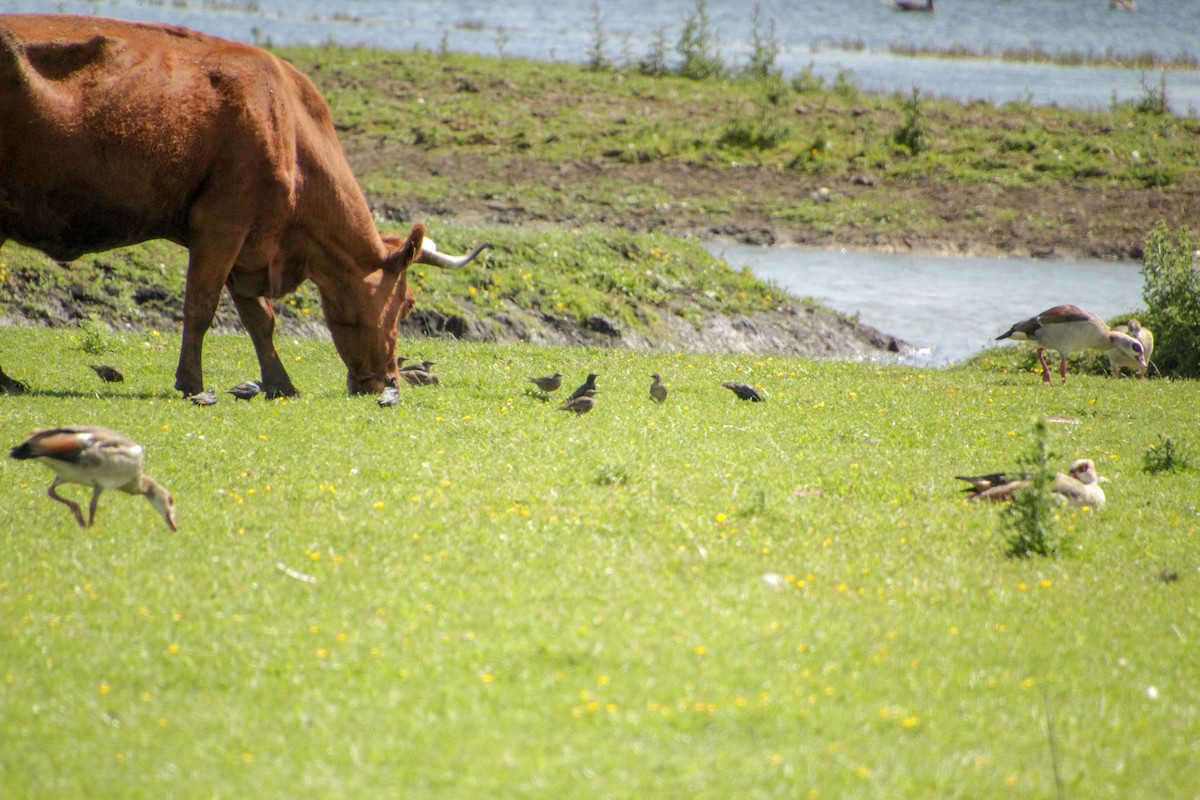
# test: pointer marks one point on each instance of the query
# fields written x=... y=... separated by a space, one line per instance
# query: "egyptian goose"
x=1067 y=329
x=582 y=404
x=587 y=386
x=1080 y=486
x=744 y=390
x=96 y=457
x=1117 y=359
x=658 y=390
x=548 y=383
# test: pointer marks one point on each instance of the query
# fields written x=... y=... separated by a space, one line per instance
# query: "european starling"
x=744 y=391
x=419 y=377
x=658 y=390
x=10 y=385
x=589 y=384
x=582 y=404
x=206 y=398
x=108 y=374
x=423 y=366
x=548 y=383
x=95 y=457
x=390 y=396
x=245 y=391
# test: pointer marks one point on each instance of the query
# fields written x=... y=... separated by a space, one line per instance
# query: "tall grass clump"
x=1166 y=456
x=597 y=60
x=1171 y=289
x=698 y=48
x=764 y=48
x=1154 y=97
x=1030 y=522
x=912 y=135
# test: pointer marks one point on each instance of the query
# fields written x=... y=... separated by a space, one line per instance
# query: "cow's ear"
x=407 y=253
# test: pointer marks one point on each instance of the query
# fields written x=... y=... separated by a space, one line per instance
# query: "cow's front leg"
x=258 y=318
x=210 y=260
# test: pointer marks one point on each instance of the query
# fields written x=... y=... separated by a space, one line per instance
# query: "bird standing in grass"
x=390 y=396
x=107 y=373
x=206 y=398
x=744 y=391
x=96 y=457
x=1068 y=329
x=582 y=404
x=548 y=383
x=10 y=385
x=419 y=377
x=1118 y=359
x=658 y=390
x=587 y=386
x=245 y=391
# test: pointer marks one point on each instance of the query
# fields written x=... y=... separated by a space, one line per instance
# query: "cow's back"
x=113 y=132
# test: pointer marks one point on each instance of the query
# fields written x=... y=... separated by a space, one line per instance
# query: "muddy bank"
x=797 y=329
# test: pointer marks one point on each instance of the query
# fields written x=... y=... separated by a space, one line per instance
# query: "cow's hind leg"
x=258 y=317
x=210 y=260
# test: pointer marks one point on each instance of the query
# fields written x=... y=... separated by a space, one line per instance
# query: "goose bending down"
x=1080 y=486
x=1069 y=329
x=1118 y=359
x=96 y=457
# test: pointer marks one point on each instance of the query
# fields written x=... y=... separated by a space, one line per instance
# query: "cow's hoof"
x=275 y=392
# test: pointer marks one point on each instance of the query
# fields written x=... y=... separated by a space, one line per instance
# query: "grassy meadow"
x=475 y=595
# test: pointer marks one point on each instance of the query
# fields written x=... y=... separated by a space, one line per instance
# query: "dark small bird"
x=206 y=398
x=588 y=385
x=107 y=373
x=390 y=396
x=10 y=385
x=658 y=390
x=582 y=404
x=422 y=367
x=548 y=383
x=419 y=377
x=744 y=391
x=245 y=391
x=96 y=457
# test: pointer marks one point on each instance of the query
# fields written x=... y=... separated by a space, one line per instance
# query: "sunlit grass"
x=475 y=595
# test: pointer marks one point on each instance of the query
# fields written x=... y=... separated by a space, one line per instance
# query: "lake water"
x=950 y=307
x=828 y=36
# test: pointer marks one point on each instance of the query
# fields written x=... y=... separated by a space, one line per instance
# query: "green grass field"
x=475 y=595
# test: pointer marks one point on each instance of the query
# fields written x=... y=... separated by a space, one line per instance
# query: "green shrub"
x=1171 y=290
x=1030 y=522
x=1166 y=456
x=912 y=135
x=698 y=47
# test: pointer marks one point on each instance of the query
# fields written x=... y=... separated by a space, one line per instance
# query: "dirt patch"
x=1060 y=220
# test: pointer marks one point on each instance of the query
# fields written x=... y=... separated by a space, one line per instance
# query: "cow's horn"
x=430 y=255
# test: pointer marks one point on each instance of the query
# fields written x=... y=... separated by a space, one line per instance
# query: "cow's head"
x=365 y=336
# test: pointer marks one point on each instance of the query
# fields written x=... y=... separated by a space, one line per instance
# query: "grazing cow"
x=114 y=133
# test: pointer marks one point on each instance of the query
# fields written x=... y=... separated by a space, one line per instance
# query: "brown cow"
x=114 y=133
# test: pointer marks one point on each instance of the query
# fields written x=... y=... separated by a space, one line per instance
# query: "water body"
x=950 y=307
x=813 y=34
